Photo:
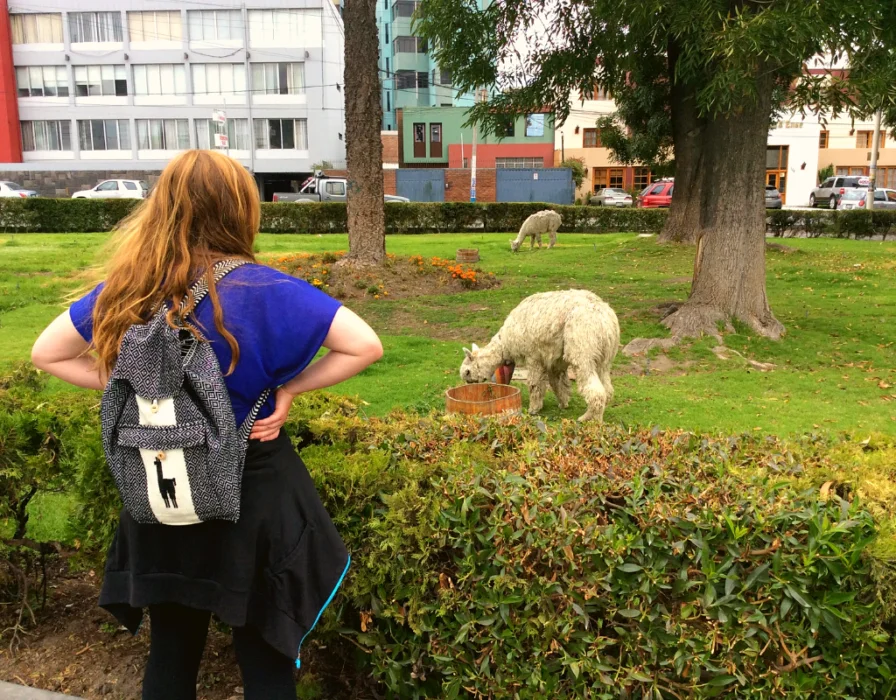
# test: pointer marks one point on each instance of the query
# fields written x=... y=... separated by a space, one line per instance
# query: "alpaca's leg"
x=560 y=385
x=607 y=382
x=592 y=390
x=553 y=240
x=538 y=383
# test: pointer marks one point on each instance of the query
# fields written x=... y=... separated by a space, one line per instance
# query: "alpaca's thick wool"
x=549 y=333
x=545 y=221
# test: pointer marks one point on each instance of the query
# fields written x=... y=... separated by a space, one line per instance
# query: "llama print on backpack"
x=166 y=486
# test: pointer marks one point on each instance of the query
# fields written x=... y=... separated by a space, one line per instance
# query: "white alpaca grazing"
x=546 y=221
x=549 y=333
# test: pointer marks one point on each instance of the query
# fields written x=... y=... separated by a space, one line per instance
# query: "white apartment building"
x=105 y=87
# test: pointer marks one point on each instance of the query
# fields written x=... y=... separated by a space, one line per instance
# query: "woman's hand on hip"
x=268 y=428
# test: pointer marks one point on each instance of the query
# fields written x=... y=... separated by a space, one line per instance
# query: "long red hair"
x=204 y=208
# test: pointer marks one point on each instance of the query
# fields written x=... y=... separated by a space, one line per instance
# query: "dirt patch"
x=397 y=278
x=78 y=649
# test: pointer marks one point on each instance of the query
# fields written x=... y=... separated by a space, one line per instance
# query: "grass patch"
x=834 y=369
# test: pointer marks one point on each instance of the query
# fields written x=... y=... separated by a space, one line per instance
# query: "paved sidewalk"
x=9 y=691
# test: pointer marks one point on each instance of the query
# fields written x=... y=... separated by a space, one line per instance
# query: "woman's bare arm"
x=61 y=351
x=353 y=346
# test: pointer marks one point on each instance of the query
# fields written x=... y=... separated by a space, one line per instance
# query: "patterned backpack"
x=169 y=432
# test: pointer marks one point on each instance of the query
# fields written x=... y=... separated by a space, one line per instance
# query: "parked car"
x=115 y=189
x=612 y=197
x=657 y=194
x=12 y=189
x=856 y=199
x=319 y=188
x=832 y=190
x=773 y=198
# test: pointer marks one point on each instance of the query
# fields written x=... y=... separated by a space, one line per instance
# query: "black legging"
x=177 y=642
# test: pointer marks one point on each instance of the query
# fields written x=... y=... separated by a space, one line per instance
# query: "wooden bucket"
x=483 y=399
x=467 y=255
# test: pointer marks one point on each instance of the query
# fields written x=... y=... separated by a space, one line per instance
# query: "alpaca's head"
x=515 y=244
x=478 y=366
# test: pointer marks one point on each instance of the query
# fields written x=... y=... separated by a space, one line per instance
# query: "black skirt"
x=276 y=569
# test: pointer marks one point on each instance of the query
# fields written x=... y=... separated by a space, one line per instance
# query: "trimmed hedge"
x=508 y=559
x=850 y=223
x=39 y=215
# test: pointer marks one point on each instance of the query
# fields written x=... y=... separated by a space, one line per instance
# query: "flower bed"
x=399 y=277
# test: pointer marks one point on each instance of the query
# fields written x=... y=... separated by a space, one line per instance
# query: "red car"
x=656 y=195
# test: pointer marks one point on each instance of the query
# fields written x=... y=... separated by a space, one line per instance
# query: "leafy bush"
x=856 y=223
x=850 y=223
x=578 y=169
x=506 y=559
x=780 y=222
x=44 y=215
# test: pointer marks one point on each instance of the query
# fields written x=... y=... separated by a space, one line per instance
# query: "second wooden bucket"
x=483 y=399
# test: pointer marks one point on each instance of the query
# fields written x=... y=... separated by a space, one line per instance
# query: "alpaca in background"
x=546 y=221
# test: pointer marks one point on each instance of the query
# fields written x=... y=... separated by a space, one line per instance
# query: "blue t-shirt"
x=279 y=322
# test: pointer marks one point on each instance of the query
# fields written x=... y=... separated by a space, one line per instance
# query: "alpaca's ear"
x=468 y=354
x=475 y=347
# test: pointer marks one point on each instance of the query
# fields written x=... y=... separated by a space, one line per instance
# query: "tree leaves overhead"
x=722 y=46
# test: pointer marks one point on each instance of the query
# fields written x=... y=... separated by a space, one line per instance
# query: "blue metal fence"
x=421 y=185
x=553 y=185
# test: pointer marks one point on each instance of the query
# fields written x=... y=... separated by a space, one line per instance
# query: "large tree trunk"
x=729 y=268
x=364 y=148
x=683 y=222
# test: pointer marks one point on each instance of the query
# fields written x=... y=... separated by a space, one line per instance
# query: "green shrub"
x=780 y=222
x=855 y=223
x=508 y=559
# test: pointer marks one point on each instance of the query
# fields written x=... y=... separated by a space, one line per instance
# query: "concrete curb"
x=10 y=691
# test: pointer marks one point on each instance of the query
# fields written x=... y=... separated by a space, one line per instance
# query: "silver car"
x=832 y=190
x=856 y=199
x=12 y=189
x=115 y=189
x=612 y=197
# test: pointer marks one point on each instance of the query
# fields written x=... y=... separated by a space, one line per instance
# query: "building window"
x=215 y=25
x=163 y=134
x=608 y=177
x=423 y=79
x=108 y=81
x=47 y=136
x=388 y=70
x=386 y=32
x=405 y=79
x=219 y=78
x=155 y=26
x=281 y=134
x=95 y=27
x=643 y=177
x=167 y=79
x=42 y=81
x=444 y=77
x=104 y=135
x=591 y=138
x=388 y=101
x=535 y=125
x=864 y=139
x=404 y=8
x=435 y=140
x=37 y=28
x=886 y=177
x=237 y=134
x=855 y=170
x=776 y=157
x=823 y=139
x=506 y=128
x=419 y=140
x=284 y=27
x=278 y=78
x=527 y=163
x=408 y=44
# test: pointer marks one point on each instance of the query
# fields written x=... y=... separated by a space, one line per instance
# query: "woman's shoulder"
x=267 y=283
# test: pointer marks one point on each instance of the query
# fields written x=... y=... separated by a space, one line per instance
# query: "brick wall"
x=389 y=185
x=64 y=183
x=390 y=147
x=458 y=181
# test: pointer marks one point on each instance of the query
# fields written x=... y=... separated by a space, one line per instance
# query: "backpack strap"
x=199 y=291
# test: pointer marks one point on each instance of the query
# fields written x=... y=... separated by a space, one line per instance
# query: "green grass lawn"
x=835 y=369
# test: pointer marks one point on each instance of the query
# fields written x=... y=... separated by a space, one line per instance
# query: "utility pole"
x=875 y=150
x=562 y=148
x=473 y=158
x=250 y=95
